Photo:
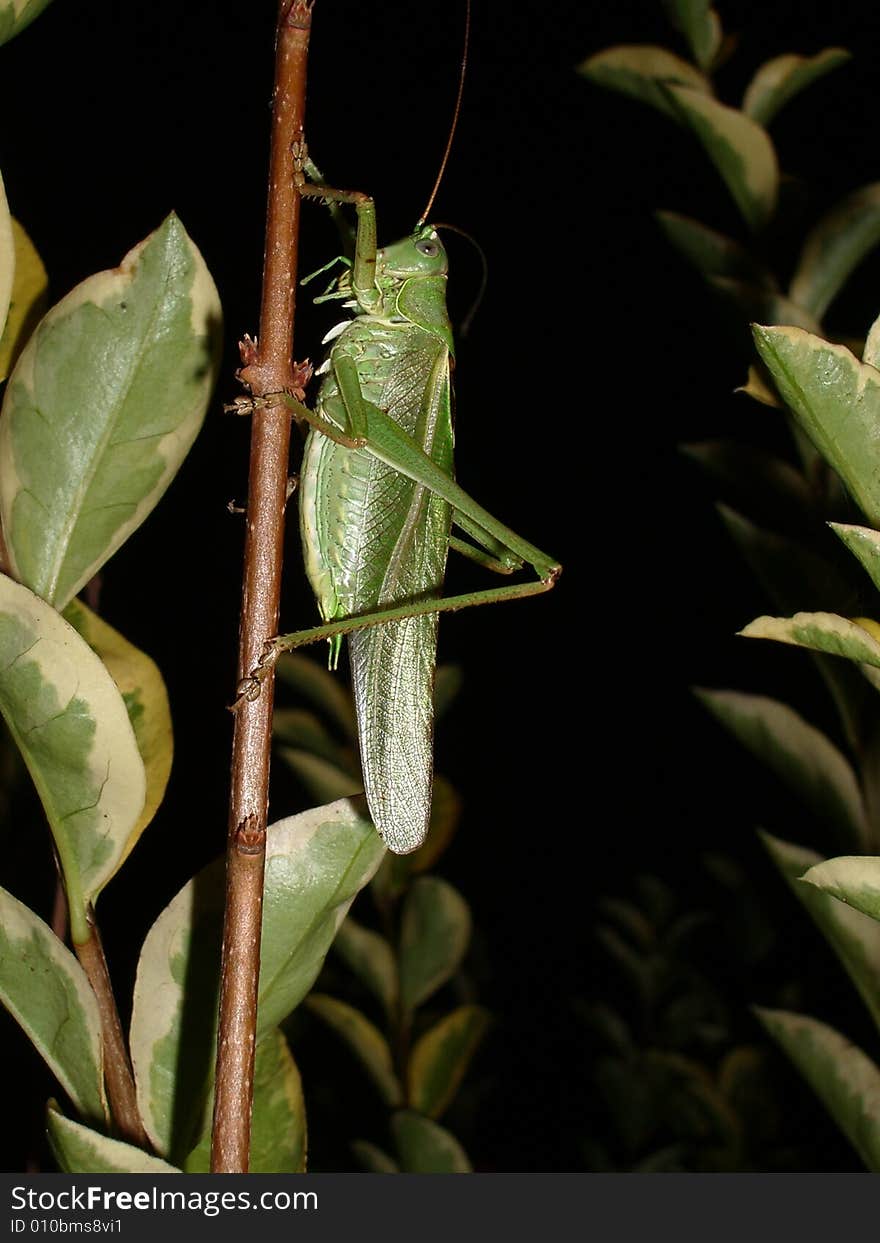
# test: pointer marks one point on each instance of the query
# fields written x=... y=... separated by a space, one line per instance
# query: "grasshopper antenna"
x=484 y=277
x=456 y=111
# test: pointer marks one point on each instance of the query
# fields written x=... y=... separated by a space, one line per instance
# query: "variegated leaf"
x=441 y=1057
x=7 y=258
x=700 y=25
x=79 y=1150
x=820 y=632
x=316 y=863
x=146 y=701
x=278 y=1121
x=855 y=881
x=102 y=407
x=27 y=302
x=845 y=1080
x=15 y=15
x=70 y=723
x=801 y=756
x=740 y=150
x=424 y=1147
x=435 y=932
x=47 y=992
x=853 y=935
x=364 y=1040
x=835 y=248
x=637 y=69
x=780 y=79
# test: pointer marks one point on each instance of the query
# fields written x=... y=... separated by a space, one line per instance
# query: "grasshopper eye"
x=431 y=249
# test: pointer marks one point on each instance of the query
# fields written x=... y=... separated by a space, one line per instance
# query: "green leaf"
x=324 y=781
x=29 y=289
x=780 y=79
x=365 y=1041
x=279 y=1134
x=628 y=920
x=790 y=572
x=787 y=570
x=146 y=701
x=740 y=150
x=448 y=681
x=693 y=1107
x=7 y=258
x=845 y=1080
x=700 y=25
x=835 y=248
x=759 y=387
x=79 y=1150
x=101 y=409
x=636 y=70
x=426 y=1148
x=862 y=543
x=69 y=721
x=713 y=254
x=371 y=958
x=871 y=351
x=854 y=937
x=300 y=729
x=278 y=1123
x=373 y=1159
x=445 y=815
x=434 y=935
x=835 y=399
x=440 y=1059
x=609 y=1026
x=801 y=756
x=47 y=993
x=766 y=306
x=316 y=684
x=396 y=872
x=756 y=477
x=15 y=15
x=855 y=881
x=745 y=1078
x=820 y=632
x=315 y=865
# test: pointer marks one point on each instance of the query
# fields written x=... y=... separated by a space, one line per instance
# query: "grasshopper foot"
x=248 y=689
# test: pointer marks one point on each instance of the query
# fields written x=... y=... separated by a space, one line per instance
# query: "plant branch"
x=268 y=369
x=117 y=1067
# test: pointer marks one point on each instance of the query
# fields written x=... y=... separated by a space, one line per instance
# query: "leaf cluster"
x=827 y=391
x=104 y=394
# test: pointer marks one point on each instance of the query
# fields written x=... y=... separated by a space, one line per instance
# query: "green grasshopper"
x=377 y=504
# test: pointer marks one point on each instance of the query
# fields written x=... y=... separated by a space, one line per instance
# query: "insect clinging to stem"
x=377 y=503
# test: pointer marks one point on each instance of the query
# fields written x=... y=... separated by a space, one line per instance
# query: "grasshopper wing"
x=373 y=538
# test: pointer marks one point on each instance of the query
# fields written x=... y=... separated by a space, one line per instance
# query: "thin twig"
x=117 y=1067
x=268 y=369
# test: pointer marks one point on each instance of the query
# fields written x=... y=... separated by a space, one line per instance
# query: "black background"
x=576 y=745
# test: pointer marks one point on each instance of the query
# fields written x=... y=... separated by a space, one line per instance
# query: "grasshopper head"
x=421 y=254
x=412 y=276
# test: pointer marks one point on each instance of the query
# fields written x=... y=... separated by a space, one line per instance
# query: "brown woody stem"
x=269 y=370
x=117 y=1067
